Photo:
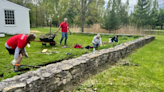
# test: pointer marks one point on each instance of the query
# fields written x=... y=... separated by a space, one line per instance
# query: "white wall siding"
x=22 y=21
x=1 y=17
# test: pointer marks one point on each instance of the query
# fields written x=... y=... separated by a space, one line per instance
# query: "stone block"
x=14 y=87
x=34 y=78
x=75 y=70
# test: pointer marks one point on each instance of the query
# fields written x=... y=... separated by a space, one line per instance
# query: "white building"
x=14 y=18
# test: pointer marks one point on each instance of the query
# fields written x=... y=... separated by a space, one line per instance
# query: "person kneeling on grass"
x=16 y=46
x=97 y=41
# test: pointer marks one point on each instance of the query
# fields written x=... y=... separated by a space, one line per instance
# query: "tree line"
x=84 y=13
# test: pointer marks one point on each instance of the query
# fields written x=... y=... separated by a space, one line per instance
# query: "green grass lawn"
x=37 y=58
x=147 y=77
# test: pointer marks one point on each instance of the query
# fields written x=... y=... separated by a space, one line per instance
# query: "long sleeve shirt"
x=97 y=41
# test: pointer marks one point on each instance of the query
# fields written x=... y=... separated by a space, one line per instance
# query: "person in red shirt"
x=64 y=27
x=16 y=46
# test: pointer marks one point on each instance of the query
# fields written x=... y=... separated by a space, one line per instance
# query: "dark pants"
x=114 y=40
x=11 y=51
x=96 y=45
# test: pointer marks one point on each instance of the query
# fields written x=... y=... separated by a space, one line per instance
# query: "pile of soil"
x=48 y=35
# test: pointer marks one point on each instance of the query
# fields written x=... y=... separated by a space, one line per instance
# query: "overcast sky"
x=134 y=2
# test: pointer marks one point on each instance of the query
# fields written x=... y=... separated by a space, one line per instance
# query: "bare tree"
x=82 y=6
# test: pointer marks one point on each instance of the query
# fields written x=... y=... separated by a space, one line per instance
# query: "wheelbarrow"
x=47 y=39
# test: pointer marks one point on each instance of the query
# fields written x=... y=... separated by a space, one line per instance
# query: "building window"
x=9 y=17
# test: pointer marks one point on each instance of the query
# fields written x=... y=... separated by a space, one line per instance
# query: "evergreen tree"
x=116 y=15
x=154 y=14
x=141 y=15
x=160 y=21
x=123 y=13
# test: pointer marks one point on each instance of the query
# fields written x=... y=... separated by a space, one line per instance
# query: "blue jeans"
x=116 y=40
x=96 y=46
x=64 y=35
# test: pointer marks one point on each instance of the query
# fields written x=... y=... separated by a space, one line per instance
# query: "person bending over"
x=114 y=39
x=16 y=46
x=97 y=41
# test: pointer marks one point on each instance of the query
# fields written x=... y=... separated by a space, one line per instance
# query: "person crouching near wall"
x=97 y=41
x=16 y=46
x=114 y=39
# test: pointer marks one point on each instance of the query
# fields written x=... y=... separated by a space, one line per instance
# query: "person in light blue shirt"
x=97 y=41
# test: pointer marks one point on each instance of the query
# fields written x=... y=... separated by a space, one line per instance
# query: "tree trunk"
x=161 y=27
x=36 y=18
x=82 y=24
x=82 y=16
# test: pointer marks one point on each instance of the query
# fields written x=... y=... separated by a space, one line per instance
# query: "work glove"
x=13 y=62
x=70 y=33
x=28 y=45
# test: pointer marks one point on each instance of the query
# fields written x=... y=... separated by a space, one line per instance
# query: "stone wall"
x=65 y=74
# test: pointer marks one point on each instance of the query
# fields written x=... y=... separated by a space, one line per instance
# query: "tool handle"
x=44 y=42
x=17 y=65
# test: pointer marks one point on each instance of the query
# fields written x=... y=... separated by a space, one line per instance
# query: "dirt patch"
x=1 y=75
x=35 y=31
x=126 y=63
x=53 y=62
x=24 y=69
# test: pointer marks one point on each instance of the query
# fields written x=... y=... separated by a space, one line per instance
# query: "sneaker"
x=13 y=62
x=15 y=70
